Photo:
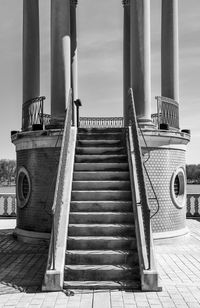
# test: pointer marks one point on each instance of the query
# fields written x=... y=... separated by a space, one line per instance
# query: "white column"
x=126 y=59
x=60 y=57
x=140 y=59
x=169 y=50
x=74 y=50
x=31 y=50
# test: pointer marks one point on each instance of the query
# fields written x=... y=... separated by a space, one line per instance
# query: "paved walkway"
x=22 y=267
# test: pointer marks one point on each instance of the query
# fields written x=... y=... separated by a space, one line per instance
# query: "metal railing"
x=101 y=122
x=8 y=206
x=33 y=113
x=167 y=113
x=193 y=206
x=57 y=204
x=139 y=180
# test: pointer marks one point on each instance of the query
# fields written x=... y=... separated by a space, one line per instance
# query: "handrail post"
x=78 y=104
x=42 y=110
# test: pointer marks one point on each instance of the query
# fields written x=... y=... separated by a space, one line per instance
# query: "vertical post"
x=126 y=60
x=169 y=50
x=60 y=57
x=74 y=59
x=140 y=59
x=31 y=52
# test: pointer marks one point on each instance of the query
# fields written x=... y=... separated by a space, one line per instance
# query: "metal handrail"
x=56 y=208
x=32 y=112
x=140 y=186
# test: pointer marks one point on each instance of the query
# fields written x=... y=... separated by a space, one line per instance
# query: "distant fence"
x=8 y=205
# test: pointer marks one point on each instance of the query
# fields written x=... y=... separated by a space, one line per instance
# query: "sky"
x=100 y=34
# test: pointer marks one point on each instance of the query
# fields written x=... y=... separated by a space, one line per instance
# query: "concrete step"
x=101 y=257
x=101 y=185
x=101 y=166
x=100 y=272
x=100 y=130
x=101 y=229
x=111 y=158
x=100 y=150
x=101 y=176
x=101 y=242
x=100 y=143
x=100 y=218
x=104 y=195
x=101 y=206
x=104 y=285
x=99 y=136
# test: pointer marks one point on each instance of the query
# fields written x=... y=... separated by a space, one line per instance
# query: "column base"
x=145 y=123
x=31 y=237
x=170 y=234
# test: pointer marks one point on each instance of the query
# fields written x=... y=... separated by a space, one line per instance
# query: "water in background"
x=193 y=189
x=7 y=189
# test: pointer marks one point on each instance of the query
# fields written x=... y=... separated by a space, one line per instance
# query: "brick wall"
x=161 y=166
x=41 y=164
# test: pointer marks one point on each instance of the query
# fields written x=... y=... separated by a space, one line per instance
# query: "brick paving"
x=23 y=265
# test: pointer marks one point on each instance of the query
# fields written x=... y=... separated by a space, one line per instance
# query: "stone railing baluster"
x=196 y=206
x=13 y=206
x=193 y=202
x=5 y=206
x=8 y=205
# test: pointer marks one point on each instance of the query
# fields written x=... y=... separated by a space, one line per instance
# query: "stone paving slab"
x=178 y=264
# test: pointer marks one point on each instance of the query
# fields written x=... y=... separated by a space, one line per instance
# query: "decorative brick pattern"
x=160 y=166
x=42 y=164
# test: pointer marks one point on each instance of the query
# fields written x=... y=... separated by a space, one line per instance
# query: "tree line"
x=193 y=174
x=7 y=171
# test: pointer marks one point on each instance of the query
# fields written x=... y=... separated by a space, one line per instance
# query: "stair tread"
x=102 y=213
x=101 y=155
x=121 y=284
x=103 y=190
x=97 y=267
x=88 y=225
x=102 y=148
x=103 y=201
x=111 y=238
x=105 y=181
x=101 y=251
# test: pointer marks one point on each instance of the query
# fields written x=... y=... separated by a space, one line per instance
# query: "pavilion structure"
x=163 y=144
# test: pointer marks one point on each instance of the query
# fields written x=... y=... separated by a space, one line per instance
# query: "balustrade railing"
x=101 y=122
x=33 y=113
x=193 y=206
x=8 y=206
x=167 y=113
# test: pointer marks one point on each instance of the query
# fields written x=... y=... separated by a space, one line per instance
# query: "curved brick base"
x=170 y=234
x=38 y=153
x=165 y=155
x=31 y=237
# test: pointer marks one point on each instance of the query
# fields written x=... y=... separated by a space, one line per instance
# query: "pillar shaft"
x=60 y=57
x=169 y=49
x=31 y=58
x=126 y=60
x=140 y=58
x=74 y=50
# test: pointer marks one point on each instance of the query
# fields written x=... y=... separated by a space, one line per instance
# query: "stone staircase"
x=101 y=246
